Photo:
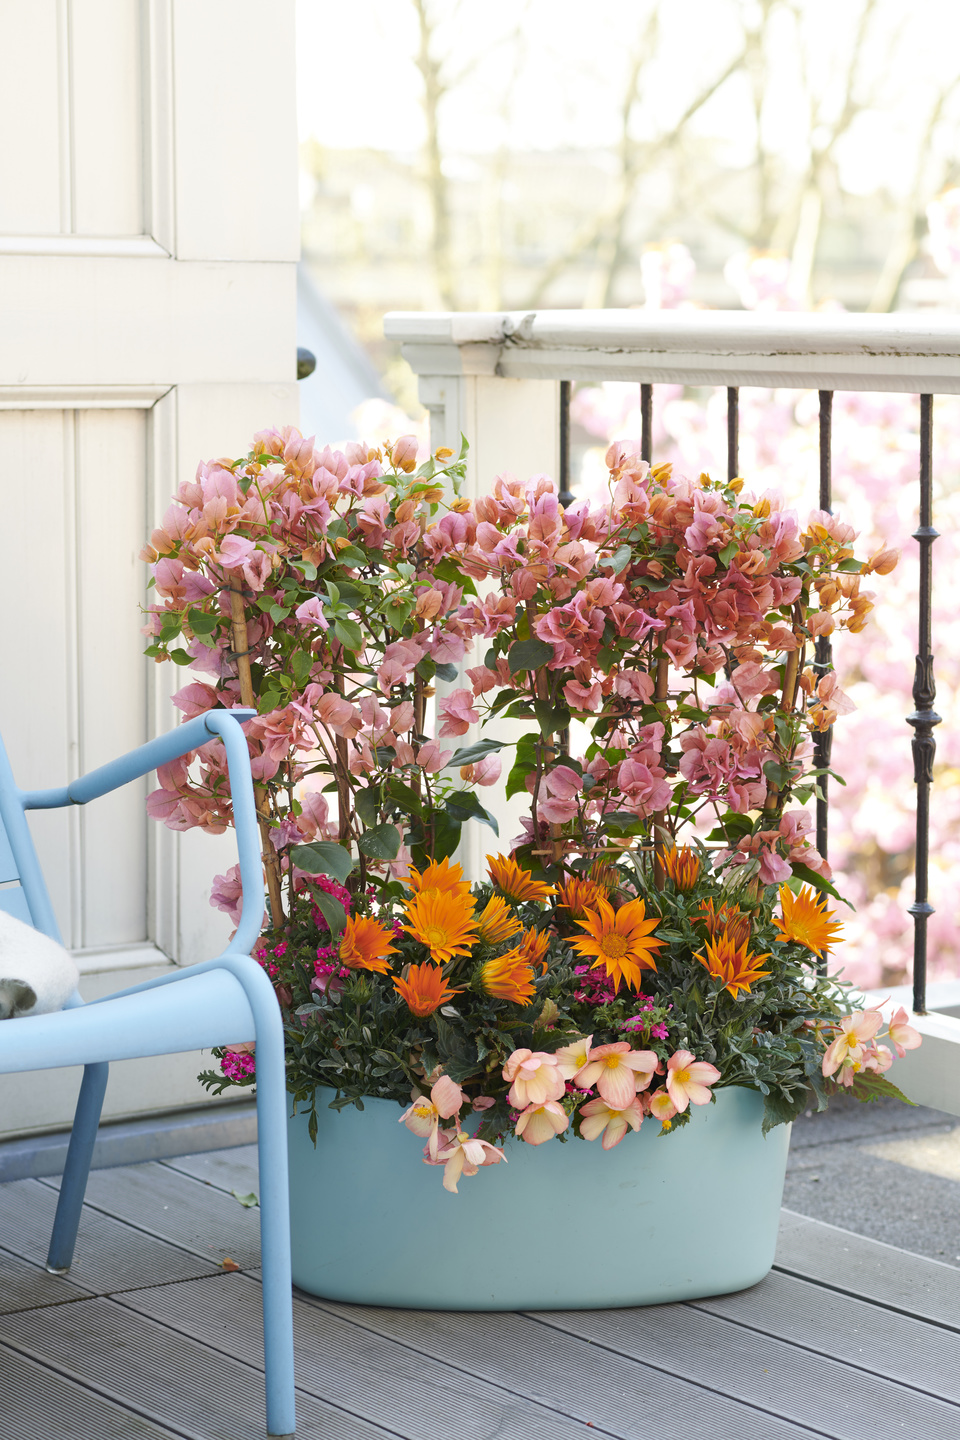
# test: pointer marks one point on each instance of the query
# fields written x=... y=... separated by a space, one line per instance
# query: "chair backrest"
x=23 y=892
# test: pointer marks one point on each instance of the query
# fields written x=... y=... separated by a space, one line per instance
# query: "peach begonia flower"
x=599 y=1118
x=661 y=1107
x=902 y=1036
x=688 y=1080
x=540 y=1123
x=573 y=1057
x=423 y=1116
x=485 y=771
x=535 y=1077
x=431 y=757
x=458 y=713
x=846 y=1051
x=460 y=1154
x=618 y=1072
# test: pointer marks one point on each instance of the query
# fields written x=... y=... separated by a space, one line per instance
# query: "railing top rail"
x=832 y=351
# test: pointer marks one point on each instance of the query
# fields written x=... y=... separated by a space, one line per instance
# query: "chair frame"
x=90 y=1034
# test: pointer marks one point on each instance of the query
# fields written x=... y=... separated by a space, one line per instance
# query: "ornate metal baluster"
x=565 y=496
x=733 y=431
x=924 y=717
x=823 y=650
x=646 y=422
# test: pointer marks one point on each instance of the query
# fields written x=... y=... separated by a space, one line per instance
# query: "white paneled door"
x=148 y=246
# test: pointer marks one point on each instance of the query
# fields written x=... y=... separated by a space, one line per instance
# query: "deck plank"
x=853 y=1265
x=39 y=1404
x=26 y=1287
x=177 y=1208
x=846 y=1328
x=829 y=1397
x=109 y=1256
x=421 y=1370
x=172 y=1380
x=227 y=1170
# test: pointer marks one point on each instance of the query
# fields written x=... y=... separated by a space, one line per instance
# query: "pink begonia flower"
x=431 y=758
x=342 y=717
x=559 y=788
x=401 y=716
x=460 y=1154
x=483 y=1102
x=195 y=699
x=618 y=1072
x=540 y=1123
x=634 y=685
x=903 y=1036
x=573 y=1057
x=856 y=1030
x=688 y=1080
x=315 y=817
x=447 y=648
x=583 y=697
x=458 y=713
x=660 y=1106
x=535 y=1078
x=485 y=771
x=597 y=1117
x=404 y=752
x=312 y=610
x=226 y=893
x=423 y=1116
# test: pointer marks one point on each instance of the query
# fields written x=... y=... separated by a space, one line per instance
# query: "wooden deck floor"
x=149 y=1337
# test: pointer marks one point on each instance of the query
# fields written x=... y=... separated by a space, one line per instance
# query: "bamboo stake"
x=241 y=651
x=660 y=693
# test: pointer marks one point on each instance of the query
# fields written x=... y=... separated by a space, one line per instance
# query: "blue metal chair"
x=215 y=1003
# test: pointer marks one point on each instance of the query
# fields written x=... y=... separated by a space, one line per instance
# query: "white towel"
x=36 y=974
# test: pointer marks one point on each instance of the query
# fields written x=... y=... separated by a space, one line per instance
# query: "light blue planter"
x=560 y=1226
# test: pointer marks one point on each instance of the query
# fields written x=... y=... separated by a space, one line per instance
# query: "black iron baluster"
x=733 y=431
x=566 y=494
x=646 y=423
x=823 y=650
x=924 y=717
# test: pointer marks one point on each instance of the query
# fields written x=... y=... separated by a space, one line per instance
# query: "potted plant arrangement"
x=619 y=1020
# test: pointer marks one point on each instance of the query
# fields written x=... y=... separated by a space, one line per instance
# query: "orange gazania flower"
x=497 y=922
x=440 y=875
x=534 y=946
x=442 y=921
x=365 y=944
x=508 y=977
x=727 y=960
x=806 y=920
x=683 y=867
x=513 y=882
x=622 y=941
x=579 y=895
x=725 y=918
x=425 y=989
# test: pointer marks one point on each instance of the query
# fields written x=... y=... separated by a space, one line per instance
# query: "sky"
x=561 y=85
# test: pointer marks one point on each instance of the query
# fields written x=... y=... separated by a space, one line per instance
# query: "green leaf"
x=464 y=805
x=446 y=834
x=618 y=561
x=871 y=1086
x=851 y=567
x=397 y=610
x=447 y=672
x=549 y=719
x=381 y=843
x=525 y=762
x=247 y=1201
x=810 y=877
x=728 y=551
x=349 y=634
x=406 y=797
x=777 y=774
x=367 y=804
x=470 y=753
x=324 y=857
x=351 y=555
x=426 y=668
x=529 y=654
x=301 y=663
x=201 y=623
x=331 y=910
x=180 y=657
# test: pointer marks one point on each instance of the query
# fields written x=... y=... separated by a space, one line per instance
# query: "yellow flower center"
x=681 y=1076
x=614 y=946
x=666 y=1124
x=852 y=1040
x=611 y=1061
x=422 y=1111
x=435 y=936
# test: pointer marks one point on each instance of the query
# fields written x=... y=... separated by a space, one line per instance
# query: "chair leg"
x=79 y=1155
x=275 y=1252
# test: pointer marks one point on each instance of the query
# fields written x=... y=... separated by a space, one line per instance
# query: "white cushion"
x=37 y=975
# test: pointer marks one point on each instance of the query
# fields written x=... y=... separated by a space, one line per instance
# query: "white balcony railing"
x=497 y=378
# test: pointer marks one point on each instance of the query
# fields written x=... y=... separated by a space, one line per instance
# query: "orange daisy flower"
x=442 y=921
x=728 y=961
x=365 y=944
x=725 y=918
x=533 y=946
x=806 y=920
x=508 y=977
x=425 y=989
x=683 y=867
x=622 y=941
x=497 y=922
x=578 y=896
x=514 y=883
x=440 y=875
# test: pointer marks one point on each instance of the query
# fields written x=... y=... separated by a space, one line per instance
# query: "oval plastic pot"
x=560 y=1226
